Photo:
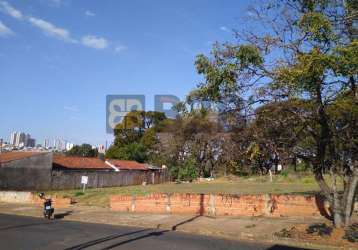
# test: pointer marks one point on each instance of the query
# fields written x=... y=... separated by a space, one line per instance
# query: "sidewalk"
x=249 y=229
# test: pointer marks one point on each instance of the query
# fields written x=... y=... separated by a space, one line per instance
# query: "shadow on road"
x=25 y=225
x=62 y=215
x=102 y=240
x=135 y=239
x=281 y=247
x=115 y=236
x=174 y=228
x=148 y=235
x=201 y=213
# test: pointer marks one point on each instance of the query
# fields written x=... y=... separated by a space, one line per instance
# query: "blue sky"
x=60 y=58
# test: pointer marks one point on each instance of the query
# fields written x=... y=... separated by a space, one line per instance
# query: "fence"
x=64 y=179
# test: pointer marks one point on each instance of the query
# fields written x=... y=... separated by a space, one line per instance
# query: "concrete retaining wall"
x=222 y=204
x=15 y=197
x=30 y=198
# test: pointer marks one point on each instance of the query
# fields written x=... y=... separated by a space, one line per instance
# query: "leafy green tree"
x=307 y=54
x=191 y=136
x=84 y=150
x=133 y=151
x=188 y=171
x=135 y=136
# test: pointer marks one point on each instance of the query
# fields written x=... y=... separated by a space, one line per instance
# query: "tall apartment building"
x=31 y=142
x=101 y=149
x=69 y=146
x=59 y=144
x=46 y=143
x=20 y=139
x=13 y=137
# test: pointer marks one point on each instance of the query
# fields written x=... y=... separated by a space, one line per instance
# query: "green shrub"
x=188 y=170
x=79 y=193
x=284 y=173
x=134 y=151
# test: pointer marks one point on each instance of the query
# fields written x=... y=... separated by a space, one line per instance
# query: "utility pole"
x=1 y=145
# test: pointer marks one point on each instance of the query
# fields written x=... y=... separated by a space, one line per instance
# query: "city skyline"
x=20 y=139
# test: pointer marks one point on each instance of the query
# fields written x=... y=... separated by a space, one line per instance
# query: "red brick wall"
x=220 y=205
x=235 y=205
x=294 y=205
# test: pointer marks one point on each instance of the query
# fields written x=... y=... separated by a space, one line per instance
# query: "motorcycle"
x=48 y=209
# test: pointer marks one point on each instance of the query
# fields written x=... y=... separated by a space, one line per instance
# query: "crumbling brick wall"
x=220 y=204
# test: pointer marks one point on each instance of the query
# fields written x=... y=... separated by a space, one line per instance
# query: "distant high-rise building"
x=69 y=146
x=101 y=149
x=59 y=144
x=56 y=144
x=27 y=139
x=46 y=143
x=31 y=142
x=20 y=139
x=13 y=138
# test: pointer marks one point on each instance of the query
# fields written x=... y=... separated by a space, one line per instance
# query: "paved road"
x=20 y=232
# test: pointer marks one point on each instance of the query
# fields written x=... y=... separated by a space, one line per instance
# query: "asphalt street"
x=20 y=232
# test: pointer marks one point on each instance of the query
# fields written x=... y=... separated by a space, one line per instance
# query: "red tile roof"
x=16 y=155
x=128 y=165
x=70 y=162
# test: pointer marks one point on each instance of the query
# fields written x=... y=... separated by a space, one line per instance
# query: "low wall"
x=221 y=204
x=15 y=197
x=30 y=198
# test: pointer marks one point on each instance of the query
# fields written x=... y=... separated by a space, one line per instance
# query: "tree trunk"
x=350 y=199
x=337 y=211
x=323 y=186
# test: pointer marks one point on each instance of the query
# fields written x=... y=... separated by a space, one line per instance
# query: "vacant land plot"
x=253 y=185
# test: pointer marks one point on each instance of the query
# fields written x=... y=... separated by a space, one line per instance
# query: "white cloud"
x=89 y=13
x=51 y=30
x=5 y=31
x=71 y=108
x=8 y=9
x=120 y=48
x=94 y=42
x=224 y=28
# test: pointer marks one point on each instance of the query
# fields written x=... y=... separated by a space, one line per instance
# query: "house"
x=68 y=171
x=46 y=171
x=25 y=170
x=61 y=162
x=128 y=165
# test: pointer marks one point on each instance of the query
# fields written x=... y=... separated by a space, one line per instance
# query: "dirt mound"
x=351 y=233
x=322 y=233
